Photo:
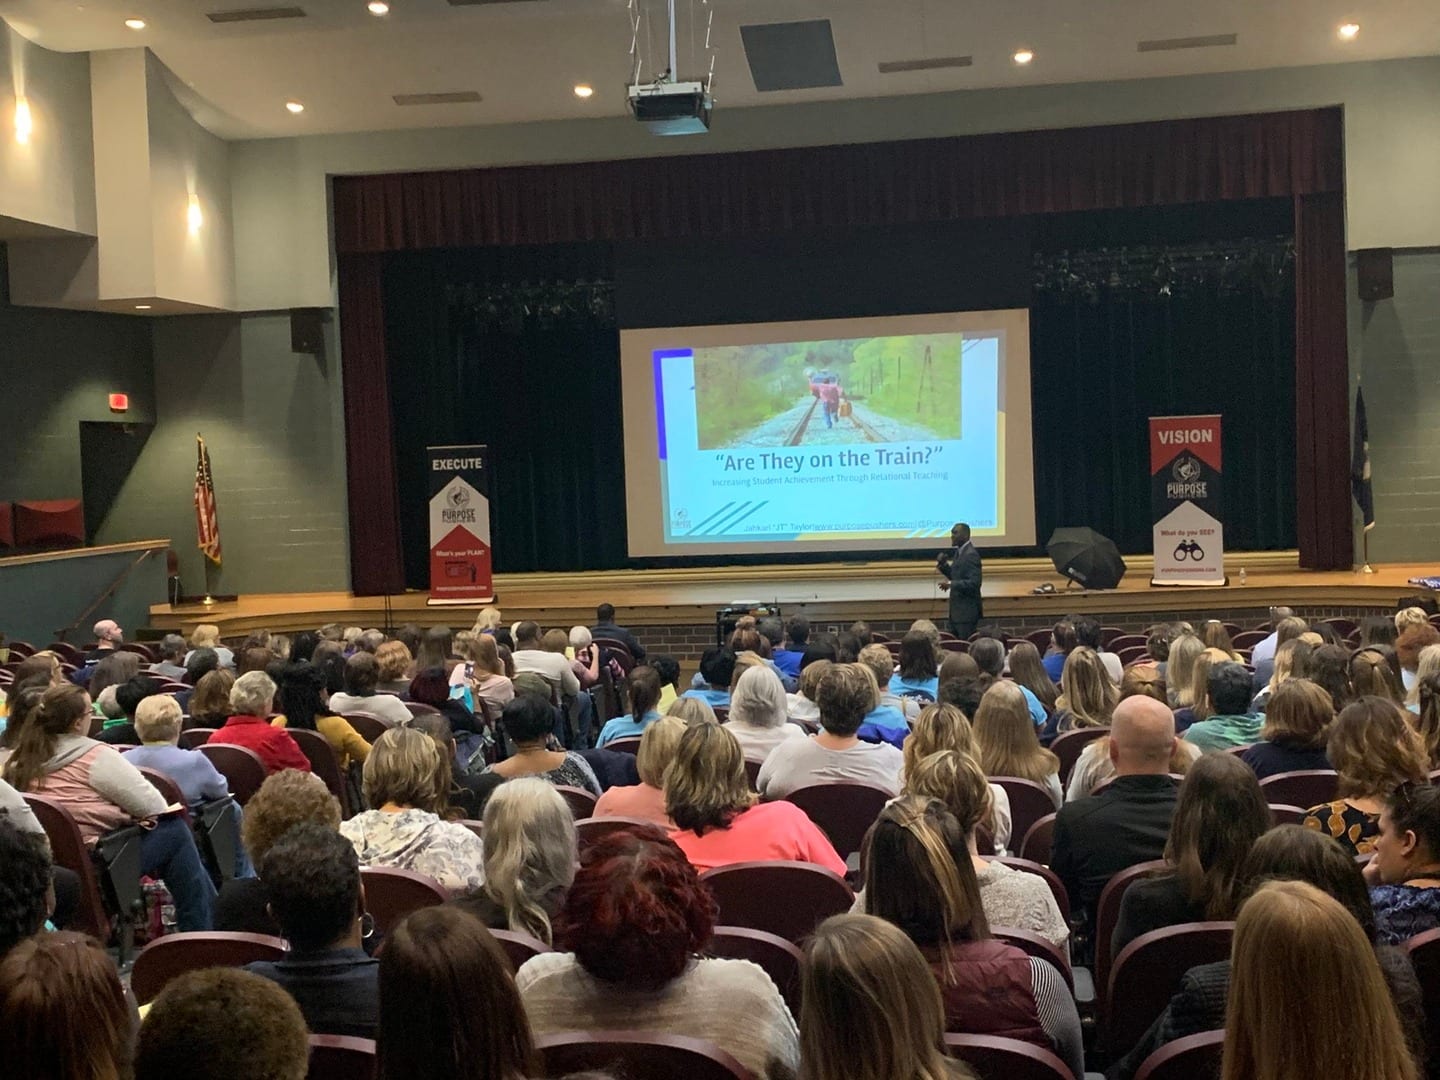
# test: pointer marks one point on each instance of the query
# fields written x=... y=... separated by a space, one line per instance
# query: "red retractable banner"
x=1188 y=535
x=460 y=525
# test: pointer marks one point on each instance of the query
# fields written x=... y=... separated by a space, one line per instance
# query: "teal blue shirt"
x=623 y=727
x=1224 y=732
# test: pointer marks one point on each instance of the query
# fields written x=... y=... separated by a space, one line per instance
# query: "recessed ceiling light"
x=295 y=106
x=142 y=307
x=1023 y=56
x=1349 y=31
x=378 y=7
x=135 y=24
x=583 y=90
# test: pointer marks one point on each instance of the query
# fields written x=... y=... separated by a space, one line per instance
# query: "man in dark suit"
x=1128 y=823
x=605 y=626
x=959 y=565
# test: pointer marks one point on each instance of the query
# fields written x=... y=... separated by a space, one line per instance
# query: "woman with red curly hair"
x=635 y=920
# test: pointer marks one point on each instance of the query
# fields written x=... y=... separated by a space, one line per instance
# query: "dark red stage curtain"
x=768 y=191
x=376 y=566
x=1322 y=378
x=1291 y=154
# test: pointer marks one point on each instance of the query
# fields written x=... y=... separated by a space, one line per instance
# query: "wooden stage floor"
x=833 y=592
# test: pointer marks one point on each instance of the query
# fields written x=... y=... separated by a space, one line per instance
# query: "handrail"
x=109 y=592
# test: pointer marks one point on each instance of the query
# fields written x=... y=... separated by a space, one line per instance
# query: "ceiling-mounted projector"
x=671 y=108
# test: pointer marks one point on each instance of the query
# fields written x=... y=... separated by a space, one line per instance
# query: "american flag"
x=206 y=524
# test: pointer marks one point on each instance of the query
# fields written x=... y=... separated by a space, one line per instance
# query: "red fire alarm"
x=119 y=402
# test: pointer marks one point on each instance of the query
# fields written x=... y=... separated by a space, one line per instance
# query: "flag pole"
x=1365 y=552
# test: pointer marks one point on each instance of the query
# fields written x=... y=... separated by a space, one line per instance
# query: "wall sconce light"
x=24 y=124
x=194 y=217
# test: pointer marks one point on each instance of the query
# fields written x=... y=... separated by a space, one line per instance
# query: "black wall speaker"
x=1375 y=273
x=307 y=330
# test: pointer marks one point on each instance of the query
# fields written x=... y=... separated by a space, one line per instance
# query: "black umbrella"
x=1086 y=557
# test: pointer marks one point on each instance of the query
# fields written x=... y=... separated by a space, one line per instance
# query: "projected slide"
x=766 y=436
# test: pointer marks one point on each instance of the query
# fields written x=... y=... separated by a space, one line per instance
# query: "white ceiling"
x=345 y=64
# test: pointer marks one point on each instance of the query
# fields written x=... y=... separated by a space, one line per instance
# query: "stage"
x=675 y=609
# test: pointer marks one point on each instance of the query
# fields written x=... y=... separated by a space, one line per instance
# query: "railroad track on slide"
x=797 y=433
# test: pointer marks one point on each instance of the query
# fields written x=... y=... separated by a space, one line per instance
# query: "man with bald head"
x=1098 y=836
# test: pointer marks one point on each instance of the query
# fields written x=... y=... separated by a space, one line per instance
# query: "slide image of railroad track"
x=828 y=393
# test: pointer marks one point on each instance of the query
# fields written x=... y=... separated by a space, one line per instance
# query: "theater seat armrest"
x=1084 y=986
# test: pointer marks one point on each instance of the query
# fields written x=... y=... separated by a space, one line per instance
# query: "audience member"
x=431 y=686
x=989 y=656
x=717 y=668
x=312 y=879
x=1006 y=742
x=63 y=1013
x=1427 y=723
x=450 y=1007
x=585 y=657
x=944 y=727
x=1090 y=633
x=530 y=859
x=1286 y=853
x=1198 y=704
x=436 y=650
x=758 y=713
x=633 y=923
x=870 y=1008
x=171 y=664
x=219 y=1024
x=646 y=800
x=394 y=661
x=1129 y=822
x=1093 y=767
x=1412 y=640
x=1266 y=647
x=800 y=706
x=1374 y=750
x=108 y=638
x=1297 y=720
x=1330 y=670
x=1428 y=664
x=207 y=636
x=529 y=721
x=667 y=670
x=1185 y=650
x=1231 y=723
x=208 y=705
x=26 y=896
x=1029 y=673
x=361 y=694
x=1215 y=636
x=1307 y=997
x=1143 y=679
x=887 y=721
x=606 y=627
x=114 y=669
x=1009 y=897
x=1219 y=814
x=469 y=790
x=717 y=818
x=285 y=800
x=407 y=781
x=1375 y=671
x=846 y=695
x=919 y=664
x=1088 y=695
x=1062 y=642
x=157 y=722
x=1406 y=868
x=693 y=710
x=305 y=705
x=530 y=655
x=103 y=792
x=919 y=876
x=252 y=701
x=120 y=730
x=1291 y=661
x=201 y=662
x=797 y=636
x=642 y=688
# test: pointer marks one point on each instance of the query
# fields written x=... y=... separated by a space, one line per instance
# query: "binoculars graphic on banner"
x=1188 y=548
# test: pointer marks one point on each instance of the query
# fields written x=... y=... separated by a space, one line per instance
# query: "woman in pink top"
x=717 y=818
x=646 y=800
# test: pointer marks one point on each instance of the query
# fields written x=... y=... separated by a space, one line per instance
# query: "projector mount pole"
x=674 y=57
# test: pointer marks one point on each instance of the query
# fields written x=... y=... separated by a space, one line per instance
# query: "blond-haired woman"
x=1195 y=701
x=1180 y=669
x=530 y=857
x=482 y=673
x=1426 y=664
x=1006 y=741
x=207 y=636
x=717 y=818
x=870 y=1009
x=1307 y=997
x=944 y=727
x=1088 y=696
x=407 y=780
x=1374 y=750
x=1009 y=897
x=1291 y=661
x=646 y=800
x=692 y=710
x=920 y=877
x=758 y=713
x=800 y=706
x=487 y=621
